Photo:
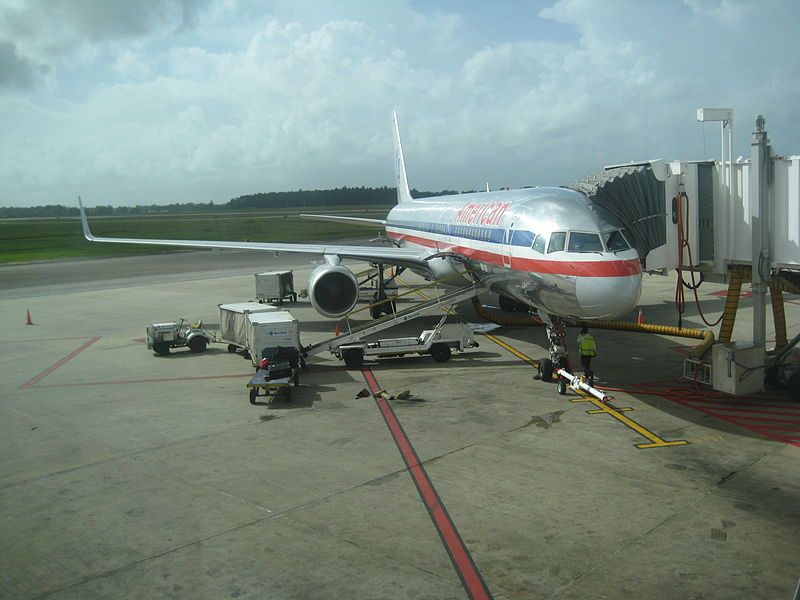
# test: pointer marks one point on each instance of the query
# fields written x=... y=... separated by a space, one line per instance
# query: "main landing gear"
x=556 y=335
x=380 y=304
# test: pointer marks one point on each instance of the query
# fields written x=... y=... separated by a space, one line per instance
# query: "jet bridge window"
x=584 y=242
x=539 y=243
x=557 y=240
x=615 y=241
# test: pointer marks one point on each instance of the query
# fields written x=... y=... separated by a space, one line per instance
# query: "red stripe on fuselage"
x=592 y=268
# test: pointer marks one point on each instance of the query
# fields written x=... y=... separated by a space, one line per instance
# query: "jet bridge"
x=723 y=221
x=635 y=195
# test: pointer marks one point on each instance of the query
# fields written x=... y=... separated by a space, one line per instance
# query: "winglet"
x=86 y=233
x=403 y=193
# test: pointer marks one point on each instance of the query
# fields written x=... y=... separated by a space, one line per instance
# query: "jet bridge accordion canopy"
x=635 y=197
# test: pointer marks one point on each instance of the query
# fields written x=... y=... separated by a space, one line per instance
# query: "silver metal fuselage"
x=491 y=235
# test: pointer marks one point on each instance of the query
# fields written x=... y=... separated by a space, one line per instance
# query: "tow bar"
x=579 y=384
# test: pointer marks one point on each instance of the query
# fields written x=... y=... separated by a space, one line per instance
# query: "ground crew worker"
x=587 y=349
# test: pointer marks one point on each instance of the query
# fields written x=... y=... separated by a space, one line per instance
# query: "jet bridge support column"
x=759 y=218
x=778 y=313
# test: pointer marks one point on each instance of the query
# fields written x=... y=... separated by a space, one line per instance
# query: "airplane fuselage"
x=547 y=247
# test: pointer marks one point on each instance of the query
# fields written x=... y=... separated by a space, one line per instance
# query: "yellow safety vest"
x=588 y=347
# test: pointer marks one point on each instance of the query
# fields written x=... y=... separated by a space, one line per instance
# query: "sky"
x=161 y=101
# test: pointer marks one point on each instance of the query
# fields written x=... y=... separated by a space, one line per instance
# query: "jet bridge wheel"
x=440 y=352
x=353 y=358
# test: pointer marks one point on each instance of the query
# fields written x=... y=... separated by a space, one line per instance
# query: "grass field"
x=23 y=240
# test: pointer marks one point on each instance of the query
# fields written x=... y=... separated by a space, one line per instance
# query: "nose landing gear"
x=556 y=335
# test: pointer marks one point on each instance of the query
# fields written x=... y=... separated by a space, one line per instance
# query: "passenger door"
x=507 y=247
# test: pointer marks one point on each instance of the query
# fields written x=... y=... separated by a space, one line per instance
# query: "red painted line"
x=724 y=293
x=786 y=439
x=751 y=410
x=745 y=403
x=34 y=340
x=587 y=268
x=754 y=428
x=463 y=563
x=31 y=382
x=136 y=381
x=750 y=418
x=780 y=427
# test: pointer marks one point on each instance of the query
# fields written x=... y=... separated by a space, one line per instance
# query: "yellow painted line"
x=655 y=440
x=514 y=351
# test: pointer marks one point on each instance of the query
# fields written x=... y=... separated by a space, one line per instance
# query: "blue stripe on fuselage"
x=493 y=235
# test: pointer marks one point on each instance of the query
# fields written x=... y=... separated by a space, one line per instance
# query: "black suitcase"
x=281 y=354
x=278 y=370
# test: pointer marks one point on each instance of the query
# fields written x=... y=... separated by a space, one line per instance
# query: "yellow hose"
x=525 y=320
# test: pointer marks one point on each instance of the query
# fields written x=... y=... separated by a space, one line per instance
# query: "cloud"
x=206 y=101
x=17 y=72
x=52 y=32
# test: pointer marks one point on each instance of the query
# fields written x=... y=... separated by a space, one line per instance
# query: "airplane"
x=546 y=248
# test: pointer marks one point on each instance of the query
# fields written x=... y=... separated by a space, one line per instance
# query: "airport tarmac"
x=126 y=475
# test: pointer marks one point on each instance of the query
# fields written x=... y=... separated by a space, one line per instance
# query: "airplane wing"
x=390 y=255
x=360 y=221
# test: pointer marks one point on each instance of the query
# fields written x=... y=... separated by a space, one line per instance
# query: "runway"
x=127 y=475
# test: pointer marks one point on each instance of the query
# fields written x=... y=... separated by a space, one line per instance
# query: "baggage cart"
x=275 y=286
x=233 y=322
x=262 y=385
x=270 y=329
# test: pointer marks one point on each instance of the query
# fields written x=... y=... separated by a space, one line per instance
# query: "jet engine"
x=333 y=290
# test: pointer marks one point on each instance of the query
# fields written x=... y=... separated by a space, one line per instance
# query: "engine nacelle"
x=333 y=290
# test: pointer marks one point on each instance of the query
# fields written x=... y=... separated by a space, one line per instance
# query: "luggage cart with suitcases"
x=278 y=372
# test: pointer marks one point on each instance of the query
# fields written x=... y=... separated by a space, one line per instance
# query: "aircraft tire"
x=440 y=352
x=545 y=369
x=353 y=358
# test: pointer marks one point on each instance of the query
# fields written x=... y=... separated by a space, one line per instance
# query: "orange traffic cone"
x=336 y=331
x=28 y=320
x=640 y=318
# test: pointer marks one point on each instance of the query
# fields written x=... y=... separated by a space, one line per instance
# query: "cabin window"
x=615 y=241
x=584 y=242
x=557 y=240
x=539 y=242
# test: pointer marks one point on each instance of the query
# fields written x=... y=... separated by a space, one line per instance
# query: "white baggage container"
x=271 y=329
x=233 y=324
x=275 y=286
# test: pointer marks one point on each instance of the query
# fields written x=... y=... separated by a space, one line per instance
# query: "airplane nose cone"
x=608 y=297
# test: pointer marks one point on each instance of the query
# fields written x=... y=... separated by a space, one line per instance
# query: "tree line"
x=299 y=199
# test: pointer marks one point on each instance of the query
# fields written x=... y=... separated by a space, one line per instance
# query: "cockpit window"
x=615 y=241
x=584 y=242
x=557 y=240
x=539 y=242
